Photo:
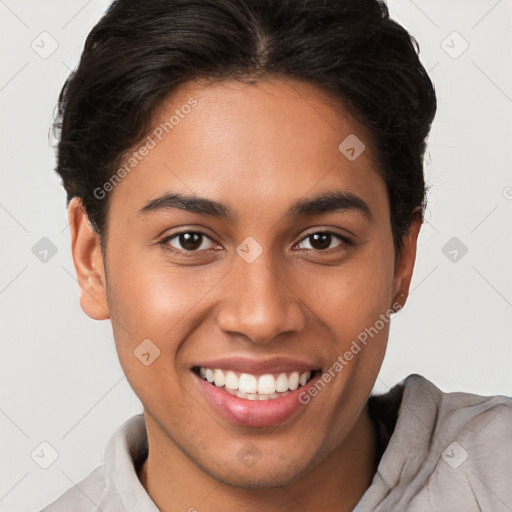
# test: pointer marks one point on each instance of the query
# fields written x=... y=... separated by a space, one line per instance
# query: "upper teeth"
x=247 y=383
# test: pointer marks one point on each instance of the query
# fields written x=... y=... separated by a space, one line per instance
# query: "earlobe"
x=405 y=264
x=88 y=261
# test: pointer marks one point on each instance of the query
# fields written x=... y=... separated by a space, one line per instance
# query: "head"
x=245 y=183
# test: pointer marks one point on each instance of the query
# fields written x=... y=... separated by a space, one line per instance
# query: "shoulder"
x=85 y=496
x=473 y=416
x=480 y=428
x=115 y=483
x=447 y=451
x=470 y=448
x=478 y=419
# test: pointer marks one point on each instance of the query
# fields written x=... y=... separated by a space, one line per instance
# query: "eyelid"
x=345 y=239
x=329 y=231
x=165 y=241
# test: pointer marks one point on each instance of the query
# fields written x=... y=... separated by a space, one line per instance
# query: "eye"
x=190 y=242
x=322 y=240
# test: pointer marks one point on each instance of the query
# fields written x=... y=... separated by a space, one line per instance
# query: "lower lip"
x=254 y=413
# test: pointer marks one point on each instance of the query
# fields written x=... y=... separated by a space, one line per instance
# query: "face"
x=261 y=292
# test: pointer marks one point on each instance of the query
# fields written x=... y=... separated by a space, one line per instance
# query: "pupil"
x=322 y=240
x=190 y=241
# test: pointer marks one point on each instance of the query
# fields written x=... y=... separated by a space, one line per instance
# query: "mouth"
x=255 y=394
x=248 y=386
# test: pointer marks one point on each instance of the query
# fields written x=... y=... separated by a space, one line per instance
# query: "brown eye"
x=187 y=241
x=190 y=241
x=322 y=240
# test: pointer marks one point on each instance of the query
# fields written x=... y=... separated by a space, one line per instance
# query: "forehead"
x=255 y=144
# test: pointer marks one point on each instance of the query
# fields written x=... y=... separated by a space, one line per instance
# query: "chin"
x=257 y=475
x=258 y=479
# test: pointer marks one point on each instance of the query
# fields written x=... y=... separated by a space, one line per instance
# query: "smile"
x=268 y=386
x=253 y=392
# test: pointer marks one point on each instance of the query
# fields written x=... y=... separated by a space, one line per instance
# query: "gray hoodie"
x=439 y=452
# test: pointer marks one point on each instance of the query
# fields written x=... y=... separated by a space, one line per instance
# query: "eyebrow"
x=321 y=203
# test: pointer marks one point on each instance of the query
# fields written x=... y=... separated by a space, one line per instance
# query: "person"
x=245 y=191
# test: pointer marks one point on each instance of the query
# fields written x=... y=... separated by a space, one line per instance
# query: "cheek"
x=160 y=303
x=352 y=296
x=146 y=311
x=149 y=298
x=353 y=301
x=152 y=297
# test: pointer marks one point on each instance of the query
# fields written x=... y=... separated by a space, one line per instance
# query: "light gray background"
x=60 y=379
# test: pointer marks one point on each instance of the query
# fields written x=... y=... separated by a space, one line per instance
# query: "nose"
x=259 y=301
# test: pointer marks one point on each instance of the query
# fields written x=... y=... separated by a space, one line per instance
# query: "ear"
x=88 y=260
x=404 y=264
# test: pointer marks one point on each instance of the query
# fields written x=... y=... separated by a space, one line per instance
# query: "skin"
x=257 y=149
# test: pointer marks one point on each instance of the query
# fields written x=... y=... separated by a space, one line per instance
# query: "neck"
x=337 y=483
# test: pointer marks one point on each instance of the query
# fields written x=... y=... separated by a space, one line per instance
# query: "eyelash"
x=166 y=240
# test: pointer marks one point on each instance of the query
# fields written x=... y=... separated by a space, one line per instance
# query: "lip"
x=259 y=367
x=253 y=413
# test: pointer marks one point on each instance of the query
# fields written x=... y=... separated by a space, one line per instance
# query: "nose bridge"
x=257 y=301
